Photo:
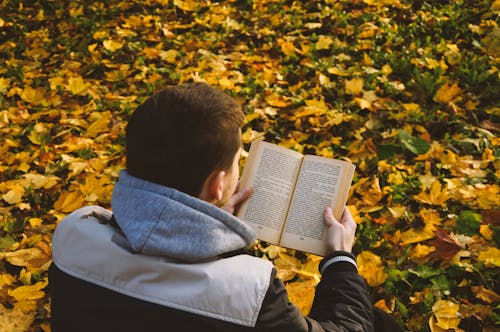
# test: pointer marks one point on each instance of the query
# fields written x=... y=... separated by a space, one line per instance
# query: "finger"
x=328 y=216
x=240 y=196
x=347 y=218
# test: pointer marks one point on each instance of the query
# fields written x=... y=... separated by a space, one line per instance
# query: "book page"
x=271 y=171
x=322 y=182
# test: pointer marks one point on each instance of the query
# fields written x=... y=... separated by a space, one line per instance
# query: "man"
x=170 y=255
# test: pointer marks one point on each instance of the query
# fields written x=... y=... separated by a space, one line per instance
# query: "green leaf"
x=424 y=271
x=468 y=223
x=387 y=151
x=440 y=282
x=6 y=241
x=414 y=144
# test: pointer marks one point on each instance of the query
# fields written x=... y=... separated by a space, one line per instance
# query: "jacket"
x=174 y=263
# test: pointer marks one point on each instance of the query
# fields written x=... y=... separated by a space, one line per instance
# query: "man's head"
x=182 y=135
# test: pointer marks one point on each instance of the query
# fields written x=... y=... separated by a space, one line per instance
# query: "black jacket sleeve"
x=340 y=304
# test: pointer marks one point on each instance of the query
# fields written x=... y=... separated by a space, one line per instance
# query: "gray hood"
x=158 y=220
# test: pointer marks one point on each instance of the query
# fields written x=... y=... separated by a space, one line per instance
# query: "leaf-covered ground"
x=407 y=90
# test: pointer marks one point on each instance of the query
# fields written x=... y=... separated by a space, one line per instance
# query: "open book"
x=290 y=193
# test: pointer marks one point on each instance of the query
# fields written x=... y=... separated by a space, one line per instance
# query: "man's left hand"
x=237 y=199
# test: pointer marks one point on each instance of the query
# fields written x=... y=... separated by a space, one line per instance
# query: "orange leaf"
x=485 y=294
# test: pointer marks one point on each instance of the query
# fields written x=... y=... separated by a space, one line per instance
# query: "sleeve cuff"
x=341 y=261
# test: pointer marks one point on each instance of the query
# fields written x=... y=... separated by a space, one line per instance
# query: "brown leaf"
x=485 y=294
x=446 y=245
x=491 y=217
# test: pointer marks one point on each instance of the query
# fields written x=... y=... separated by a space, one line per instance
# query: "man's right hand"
x=341 y=233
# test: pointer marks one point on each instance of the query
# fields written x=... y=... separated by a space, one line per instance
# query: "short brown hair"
x=183 y=133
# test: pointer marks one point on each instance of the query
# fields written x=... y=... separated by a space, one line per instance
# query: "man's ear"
x=213 y=188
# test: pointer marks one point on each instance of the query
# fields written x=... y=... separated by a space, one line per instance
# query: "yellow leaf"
x=490 y=257
x=486 y=231
x=277 y=100
x=69 y=201
x=170 y=56
x=187 y=5
x=4 y=84
x=38 y=181
x=416 y=235
x=446 y=314
x=35 y=222
x=96 y=189
x=30 y=258
x=435 y=196
x=225 y=83
x=15 y=319
x=113 y=45
x=301 y=293
x=354 y=86
x=420 y=252
x=287 y=47
x=14 y=195
x=272 y=251
x=313 y=107
x=412 y=107
x=100 y=125
x=431 y=219
x=386 y=69
x=309 y=270
x=363 y=103
x=324 y=42
x=447 y=93
x=371 y=192
x=370 y=267
x=29 y=293
x=488 y=196
x=6 y=280
x=382 y=305
x=33 y=96
x=77 y=86
x=249 y=135
x=40 y=134
x=337 y=71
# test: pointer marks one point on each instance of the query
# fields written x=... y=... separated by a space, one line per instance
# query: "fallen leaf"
x=301 y=293
x=371 y=268
x=485 y=294
x=354 y=86
x=113 y=45
x=69 y=201
x=490 y=257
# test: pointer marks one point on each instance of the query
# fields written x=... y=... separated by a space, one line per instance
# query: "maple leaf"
x=446 y=245
x=490 y=257
x=77 y=86
x=446 y=315
x=33 y=96
x=69 y=201
x=435 y=196
x=371 y=268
